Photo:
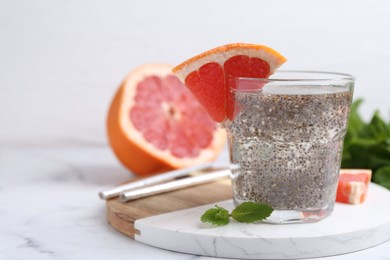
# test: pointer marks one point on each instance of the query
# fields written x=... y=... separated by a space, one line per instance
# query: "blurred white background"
x=62 y=61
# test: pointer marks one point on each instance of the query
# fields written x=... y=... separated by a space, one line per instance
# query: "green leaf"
x=248 y=212
x=382 y=176
x=367 y=145
x=356 y=123
x=375 y=162
x=216 y=216
x=377 y=129
x=358 y=155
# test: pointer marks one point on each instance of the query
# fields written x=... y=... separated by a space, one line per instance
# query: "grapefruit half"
x=155 y=124
x=207 y=74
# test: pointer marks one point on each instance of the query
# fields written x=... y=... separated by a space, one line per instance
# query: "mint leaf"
x=248 y=212
x=216 y=216
x=376 y=129
x=356 y=123
x=382 y=176
x=367 y=145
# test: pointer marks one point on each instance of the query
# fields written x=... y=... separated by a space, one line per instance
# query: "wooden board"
x=122 y=216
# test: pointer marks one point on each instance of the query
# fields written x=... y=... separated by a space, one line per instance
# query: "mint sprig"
x=246 y=212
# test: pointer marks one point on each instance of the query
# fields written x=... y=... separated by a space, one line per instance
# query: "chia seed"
x=285 y=149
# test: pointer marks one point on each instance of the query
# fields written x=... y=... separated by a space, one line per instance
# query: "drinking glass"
x=285 y=138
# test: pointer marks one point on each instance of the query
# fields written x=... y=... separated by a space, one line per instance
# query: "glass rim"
x=332 y=76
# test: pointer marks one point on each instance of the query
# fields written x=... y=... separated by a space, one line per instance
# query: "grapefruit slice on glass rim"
x=207 y=74
x=155 y=124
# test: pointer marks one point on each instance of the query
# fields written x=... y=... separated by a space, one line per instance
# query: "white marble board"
x=350 y=228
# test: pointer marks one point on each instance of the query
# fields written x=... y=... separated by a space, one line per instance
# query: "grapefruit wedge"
x=207 y=74
x=155 y=124
x=353 y=185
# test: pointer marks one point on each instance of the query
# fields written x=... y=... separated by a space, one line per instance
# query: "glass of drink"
x=285 y=137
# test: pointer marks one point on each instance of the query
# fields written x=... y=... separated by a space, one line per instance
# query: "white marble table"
x=49 y=207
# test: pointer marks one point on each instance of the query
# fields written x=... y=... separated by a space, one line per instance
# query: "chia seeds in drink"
x=286 y=144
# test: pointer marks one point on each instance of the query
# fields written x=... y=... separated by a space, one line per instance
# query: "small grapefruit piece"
x=353 y=185
x=207 y=74
x=155 y=124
